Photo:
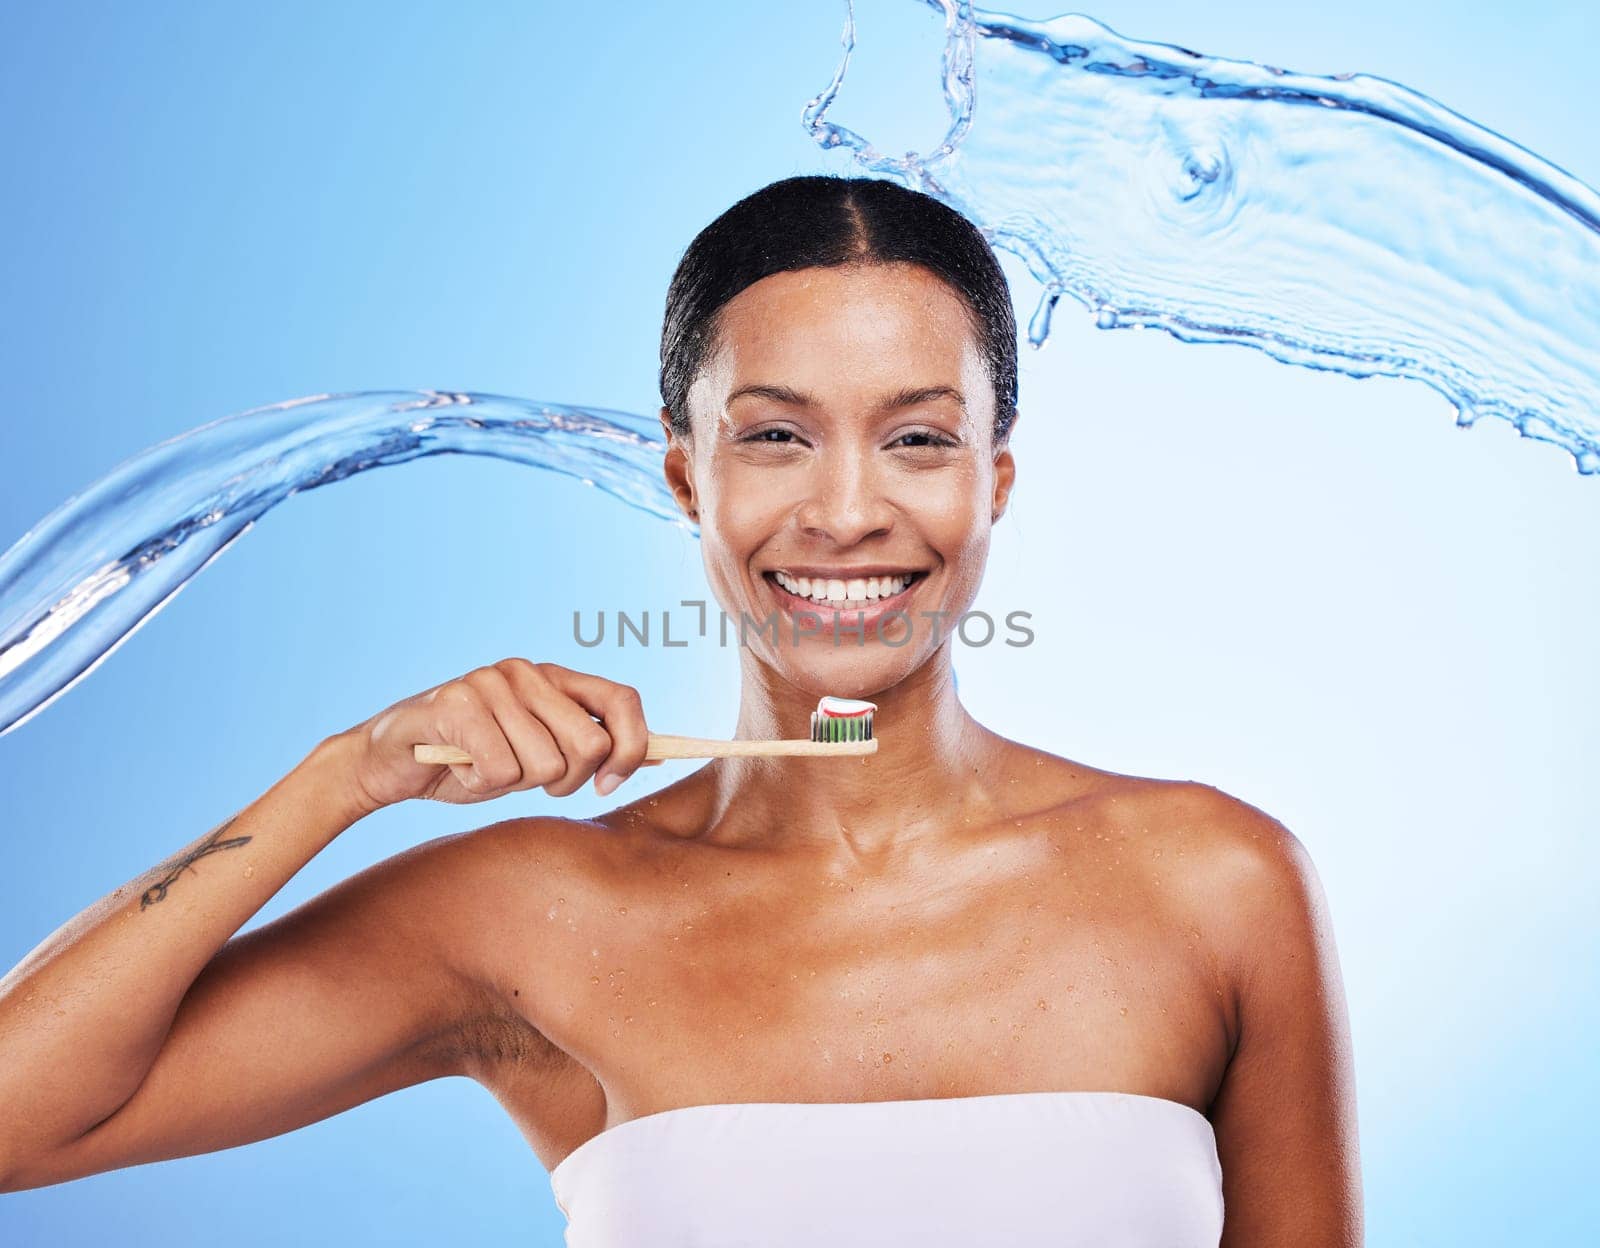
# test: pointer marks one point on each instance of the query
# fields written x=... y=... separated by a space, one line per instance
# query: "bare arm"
x=134 y=1033
x=1285 y=1115
x=145 y=1029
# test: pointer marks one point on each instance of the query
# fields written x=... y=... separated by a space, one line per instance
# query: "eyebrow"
x=910 y=396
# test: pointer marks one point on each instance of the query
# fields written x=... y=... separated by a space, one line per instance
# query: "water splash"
x=1344 y=223
x=1214 y=199
x=86 y=577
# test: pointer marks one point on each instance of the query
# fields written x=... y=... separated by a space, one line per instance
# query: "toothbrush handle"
x=663 y=745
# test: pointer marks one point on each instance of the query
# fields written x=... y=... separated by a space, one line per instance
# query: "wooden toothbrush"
x=839 y=726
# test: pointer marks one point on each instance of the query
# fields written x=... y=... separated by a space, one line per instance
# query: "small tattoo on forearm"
x=176 y=867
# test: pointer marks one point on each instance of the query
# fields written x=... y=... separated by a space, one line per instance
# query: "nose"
x=845 y=501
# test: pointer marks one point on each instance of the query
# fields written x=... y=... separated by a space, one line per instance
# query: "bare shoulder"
x=1236 y=841
x=1285 y=1115
x=493 y=878
x=1258 y=875
x=1210 y=844
x=1226 y=840
x=1245 y=887
x=546 y=846
x=1238 y=873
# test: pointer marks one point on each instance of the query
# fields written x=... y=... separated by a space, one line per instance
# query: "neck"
x=858 y=810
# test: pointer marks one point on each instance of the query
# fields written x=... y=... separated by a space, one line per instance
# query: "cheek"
x=735 y=518
x=957 y=519
x=738 y=516
x=956 y=502
x=722 y=564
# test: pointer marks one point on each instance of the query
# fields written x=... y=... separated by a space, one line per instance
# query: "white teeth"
x=856 y=591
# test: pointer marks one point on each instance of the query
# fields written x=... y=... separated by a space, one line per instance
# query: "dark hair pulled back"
x=821 y=221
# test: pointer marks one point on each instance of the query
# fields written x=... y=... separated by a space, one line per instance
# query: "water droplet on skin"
x=622 y=909
x=1123 y=1010
x=1043 y=1004
x=887 y=1058
x=594 y=979
x=628 y=1019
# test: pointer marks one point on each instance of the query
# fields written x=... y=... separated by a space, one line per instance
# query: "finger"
x=460 y=716
x=539 y=758
x=583 y=743
x=620 y=709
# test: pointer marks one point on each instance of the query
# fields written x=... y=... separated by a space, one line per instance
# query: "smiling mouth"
x=841 y=594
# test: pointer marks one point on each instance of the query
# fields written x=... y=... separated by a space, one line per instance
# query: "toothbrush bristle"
x=842 y=719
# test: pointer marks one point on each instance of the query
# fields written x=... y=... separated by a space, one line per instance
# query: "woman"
x=960 y=990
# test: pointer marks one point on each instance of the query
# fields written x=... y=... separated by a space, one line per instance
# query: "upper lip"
x=813 y=572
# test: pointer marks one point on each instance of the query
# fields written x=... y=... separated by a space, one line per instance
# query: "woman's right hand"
x=527 y=725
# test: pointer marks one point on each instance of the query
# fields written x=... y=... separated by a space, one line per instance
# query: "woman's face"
x=841 y=447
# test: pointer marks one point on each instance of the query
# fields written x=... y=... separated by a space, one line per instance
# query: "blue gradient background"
x=1311 y=591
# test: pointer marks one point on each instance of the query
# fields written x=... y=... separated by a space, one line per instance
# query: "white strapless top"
x=1108 y=1169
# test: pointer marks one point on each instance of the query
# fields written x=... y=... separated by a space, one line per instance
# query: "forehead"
x=854 y=325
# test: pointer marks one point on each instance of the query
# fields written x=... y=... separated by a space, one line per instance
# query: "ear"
x=678 y=468
x=1005 y=474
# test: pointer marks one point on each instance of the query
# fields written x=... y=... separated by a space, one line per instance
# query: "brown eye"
x=768 y=435
x=927 y=438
